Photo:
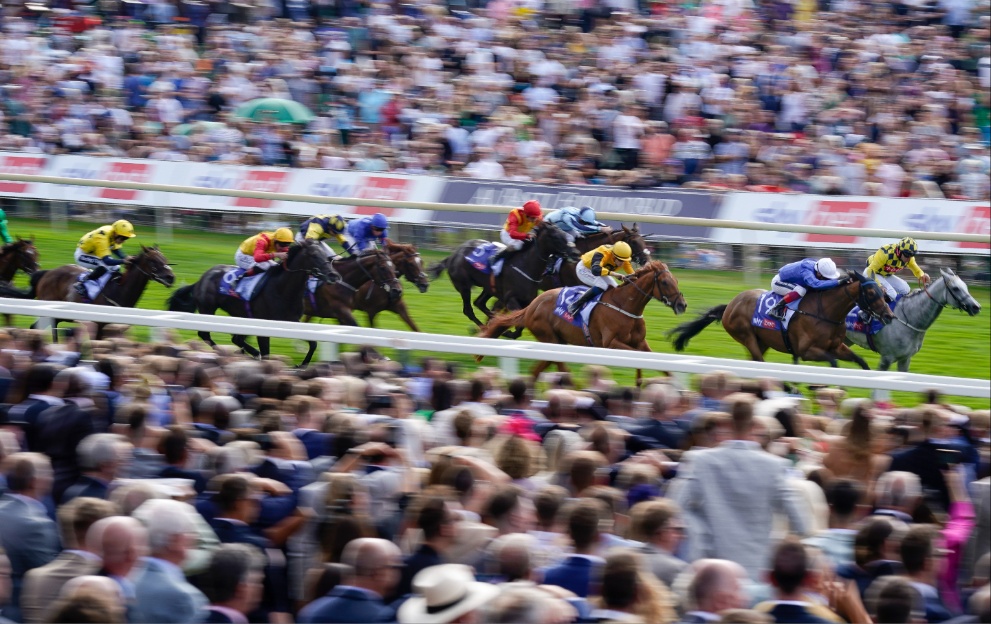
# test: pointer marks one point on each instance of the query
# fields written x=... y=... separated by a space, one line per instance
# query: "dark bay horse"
x=409 y=265
x=816 y=331
x=566 y=274
x=148 y=266
x=522 y=272
x=373 y=269
x=280 y=298
x=20 y=255
x=615 y=323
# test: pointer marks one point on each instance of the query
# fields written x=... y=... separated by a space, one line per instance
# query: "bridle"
x=944 y=303
x=654 y=286
x=154 y=276
x=385 y=284
x=20 y=259
x=312 y=271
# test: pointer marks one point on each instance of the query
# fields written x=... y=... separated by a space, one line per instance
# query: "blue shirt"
x=569 y=220
x=803 y=273
x=361 y=231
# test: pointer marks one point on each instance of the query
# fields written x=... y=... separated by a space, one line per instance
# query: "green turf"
x=957 y=346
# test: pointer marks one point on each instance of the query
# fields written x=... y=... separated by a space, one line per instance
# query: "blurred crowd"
x=839 y=97
x=170 y=482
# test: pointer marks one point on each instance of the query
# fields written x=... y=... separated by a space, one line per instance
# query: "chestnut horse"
x=124 y=291
x=616 y=322
x=816 y=331
x=371 y=299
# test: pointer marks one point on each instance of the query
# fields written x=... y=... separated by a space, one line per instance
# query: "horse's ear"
x=625 y=229
x=636 y=226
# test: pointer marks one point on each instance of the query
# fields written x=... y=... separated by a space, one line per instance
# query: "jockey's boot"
x=94 y=275
x=778 y=311
x=252 y=271
x=578 y=304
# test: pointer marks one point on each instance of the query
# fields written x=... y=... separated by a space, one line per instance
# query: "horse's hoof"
x=479 y=358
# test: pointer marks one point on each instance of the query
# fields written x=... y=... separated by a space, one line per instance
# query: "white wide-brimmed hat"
x=443 y=593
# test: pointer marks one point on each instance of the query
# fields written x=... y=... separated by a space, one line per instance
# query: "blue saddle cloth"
x=569 y=295
x=764 y=304
x=481 y=257
x=95 y=287
x=854 y=324
x=245 y=288
x=312 y=283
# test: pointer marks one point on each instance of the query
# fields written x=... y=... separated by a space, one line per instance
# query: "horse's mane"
x=402 y=247
x=20 y=242
x=650 y=267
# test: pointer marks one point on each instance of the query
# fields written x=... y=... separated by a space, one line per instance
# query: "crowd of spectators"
x=838 y=97
x=171 y=482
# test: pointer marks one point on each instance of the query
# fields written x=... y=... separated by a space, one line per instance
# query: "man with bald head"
x=716 y=586
x=121 y=541
x=375 y=566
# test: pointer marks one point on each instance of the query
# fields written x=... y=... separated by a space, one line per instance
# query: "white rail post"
x=510 y=367
x=327 y=351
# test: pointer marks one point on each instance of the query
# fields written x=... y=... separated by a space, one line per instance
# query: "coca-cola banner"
x=635 y=203
x=884 y=213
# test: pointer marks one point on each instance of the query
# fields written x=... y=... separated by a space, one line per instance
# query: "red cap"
x=532 y=209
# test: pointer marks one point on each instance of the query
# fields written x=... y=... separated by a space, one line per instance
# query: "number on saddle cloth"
x=244 y=289
x=765 y=303
x=480 y=258
x=569 y=295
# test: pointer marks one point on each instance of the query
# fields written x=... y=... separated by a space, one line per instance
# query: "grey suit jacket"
x=664 y=565
x=730 y=495
x=162 y=597
x=980 y=537
x=31 y=541
x=42 y=585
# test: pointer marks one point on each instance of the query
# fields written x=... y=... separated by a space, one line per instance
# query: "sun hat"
x=443 y=593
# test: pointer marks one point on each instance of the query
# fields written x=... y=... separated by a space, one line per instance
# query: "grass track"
x=957 y=346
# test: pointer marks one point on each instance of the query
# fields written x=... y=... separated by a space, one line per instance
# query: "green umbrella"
x=274 y=109
x=196 y=126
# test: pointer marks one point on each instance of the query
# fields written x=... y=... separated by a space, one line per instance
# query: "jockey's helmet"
x=379 y=221
x=532 y=209
x=622 y=251
x=336 y=223
x=283 y=235
x=123 y=228
x=587 y=215
x=908 y=247
x=827 y=268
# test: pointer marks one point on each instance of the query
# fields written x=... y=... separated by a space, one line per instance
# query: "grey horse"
x=915 y=313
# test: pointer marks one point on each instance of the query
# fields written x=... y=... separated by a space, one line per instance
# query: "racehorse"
x=616 y=322
x=20 y=255
x=372 y=300
x=816 y=331
x=372 y=268
x=521 y=273
x=280 y=297
x=565 y=275
x=914 y=315
x=148 y=266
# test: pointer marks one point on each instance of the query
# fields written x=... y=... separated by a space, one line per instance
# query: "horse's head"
x=636 y=241
x=153 y=263
x=958 y=295
x=310 y=256
x=409 y=264
x=552 y=241
x=663 y=285
x=871 y=298
x=380 y=268
x=24 y=253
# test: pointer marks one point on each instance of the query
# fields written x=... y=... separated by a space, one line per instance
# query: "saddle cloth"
x=764 y=303
x=95 y=287
x=245 y=288
x=854 y=324
x=312 y=284
x=564 y=299
x=480 y=258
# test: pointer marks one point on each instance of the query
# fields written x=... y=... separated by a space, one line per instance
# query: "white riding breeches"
x=892 y=285
x=605 y=282
x=509 y=241
x=245 y=261
x=783 y=288
x=87 y=261
x=326 y=248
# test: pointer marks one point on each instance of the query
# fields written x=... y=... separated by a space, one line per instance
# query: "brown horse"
x=816 y=331
x=148 y=266
x=21 y=255
x=371 y=300
x=615 y=323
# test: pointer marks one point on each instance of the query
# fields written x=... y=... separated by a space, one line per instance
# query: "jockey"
x=4 y=234
x=100 y=250
x=594 y=270
x=518 y=229
x=321 y=228
x=890 y=259
x=263 y=251
x=575 y=222
x=797 y=278
x=366 y=232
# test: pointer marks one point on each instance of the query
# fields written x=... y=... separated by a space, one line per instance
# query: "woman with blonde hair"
x=853 y=456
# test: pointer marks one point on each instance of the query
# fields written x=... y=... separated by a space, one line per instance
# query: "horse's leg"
x=846 y=354
x=99 y=331
x=562 y=367
x=514 y=333
x=207 y=338
x=466 y=308
x=903 y=364
x=754 y=347
x=309 y=354
x=403 y=312
x=540 y=367
x=818 y=354
x=885 y=363
x=481 y=300
x=55 y=323
x=241 y=341
x=264 y=344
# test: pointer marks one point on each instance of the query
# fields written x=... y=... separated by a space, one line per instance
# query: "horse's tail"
x=439 y=267
x=183 y=300
x=34 y=280
x=686 y=331
x=497 y=325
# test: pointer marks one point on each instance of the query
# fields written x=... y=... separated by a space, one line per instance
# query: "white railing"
x=435 y=206
x=410 y=341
